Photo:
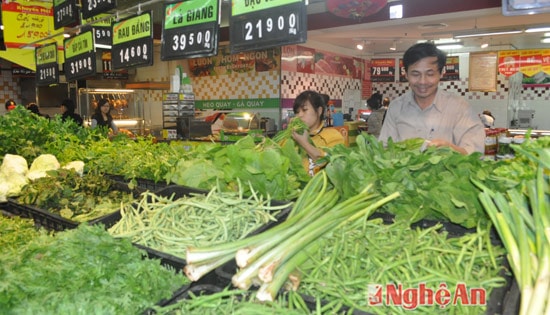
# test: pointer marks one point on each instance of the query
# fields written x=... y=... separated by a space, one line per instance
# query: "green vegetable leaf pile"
x=434 y=184
x=83 y=271
x=270 y=169
x=16 y=232
x=75 y=197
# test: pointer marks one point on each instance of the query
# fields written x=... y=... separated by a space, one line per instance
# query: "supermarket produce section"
x=116 y=225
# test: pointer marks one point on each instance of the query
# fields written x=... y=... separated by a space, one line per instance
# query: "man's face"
x=424 y=78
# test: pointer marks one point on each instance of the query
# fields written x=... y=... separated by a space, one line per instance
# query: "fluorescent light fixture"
x=446 y=41
x=484 y=45
x=538 y=29
x=113 y=90
x=450 y=46
x=360 y=46
x=66 y=35
x=545 y=40
x=103 y=46
x=486 y=32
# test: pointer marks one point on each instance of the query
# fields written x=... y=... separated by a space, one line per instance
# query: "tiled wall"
x=293 y=83
x=393 y=90
x=10 y=88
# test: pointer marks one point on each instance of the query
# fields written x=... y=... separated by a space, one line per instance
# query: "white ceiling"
x=380 y=36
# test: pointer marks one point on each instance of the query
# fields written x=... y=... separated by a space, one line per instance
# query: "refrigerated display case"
x=126 y=107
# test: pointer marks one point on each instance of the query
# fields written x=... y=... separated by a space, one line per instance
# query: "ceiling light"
x=538 y=29
x=394 y=46
x=545 y=40
x=446 y=41
x=484 y=45
x=360 y=46
x=486 y=32
x=450 y=46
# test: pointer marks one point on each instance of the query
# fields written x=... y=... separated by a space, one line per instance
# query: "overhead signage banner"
x=190 y=29
x=80 y=59
x=534 y=64
x=64 y=13
x=257 y=25
x=225 y=63
x=383 y=70
x=47 y=69
x=95 y=7
x=35 y=26
x=133 y=42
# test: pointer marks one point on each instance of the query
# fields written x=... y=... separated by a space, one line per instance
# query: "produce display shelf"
x=142 y=183
x=53 y=221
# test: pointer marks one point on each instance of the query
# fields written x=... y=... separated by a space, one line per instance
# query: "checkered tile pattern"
x=237 y=86
x=393 y=90
x=10 y=88
x=293 y=83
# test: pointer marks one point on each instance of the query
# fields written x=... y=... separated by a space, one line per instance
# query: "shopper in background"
x=10 y=105
x=310 y=107
x=102 y=116
x=33 y=108
x=376 y=117
x=67 y=112
x=425 y=111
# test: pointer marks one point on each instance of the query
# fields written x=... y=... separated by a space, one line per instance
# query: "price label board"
x=133 y=42
x=80 y=61
x=64 y=13
x=383 y=70
x=190 y=29
x=47 y=70
x=256 y=24
x=95 y=7
x=102 y=29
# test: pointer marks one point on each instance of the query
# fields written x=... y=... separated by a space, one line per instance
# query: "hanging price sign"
x=133 y=42
x=383 y=70
x=95 y=7
x=102 y=29
x=47 y=70
x=190 y=29
x=80 y=59
x=64 y=13
x=257 y=24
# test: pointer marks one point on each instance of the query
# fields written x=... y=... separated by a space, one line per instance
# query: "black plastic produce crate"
x=53 y=221
x=142 y=183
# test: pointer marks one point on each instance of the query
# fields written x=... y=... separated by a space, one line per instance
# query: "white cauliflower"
x=42 y=164
x=78 y=166
x=13 y=173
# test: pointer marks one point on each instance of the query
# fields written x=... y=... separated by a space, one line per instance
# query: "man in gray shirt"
x=425 y=111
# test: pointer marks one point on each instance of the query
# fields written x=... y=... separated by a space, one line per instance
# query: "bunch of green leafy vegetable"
x=75 y=197
x=26 y=134
x=83 y=271
x=434 y=184
x=270 y=169
x=295 y=125
x=511 y=172
x=16 y=232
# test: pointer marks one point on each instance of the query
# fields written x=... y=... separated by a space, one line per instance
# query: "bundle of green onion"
x=269 y=259
x=522 y=219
